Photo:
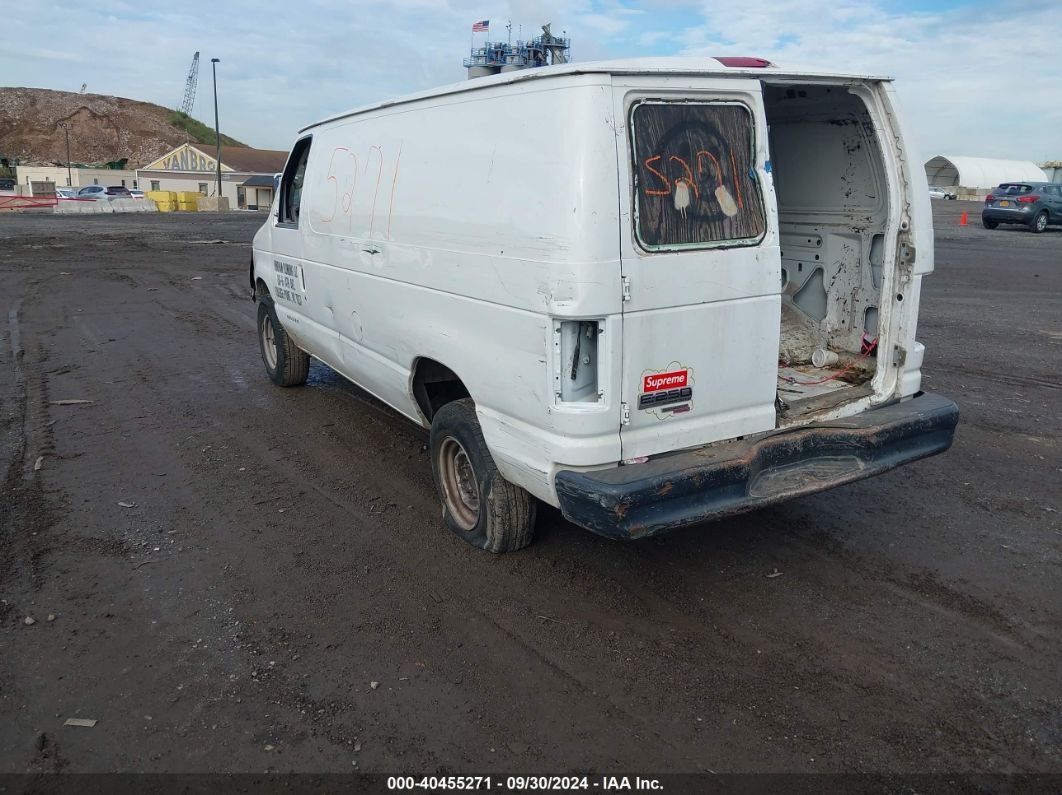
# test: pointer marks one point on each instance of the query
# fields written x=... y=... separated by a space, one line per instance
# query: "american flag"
x=481 y=26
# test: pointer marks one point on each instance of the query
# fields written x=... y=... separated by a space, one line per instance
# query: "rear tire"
x=1039 y=223
x=285 y=363
x=989 y=224
x=479 y=505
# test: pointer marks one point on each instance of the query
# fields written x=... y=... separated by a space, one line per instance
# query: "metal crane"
x=189 y=86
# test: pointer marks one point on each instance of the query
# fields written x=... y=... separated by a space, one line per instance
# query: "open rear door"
x=700 y=262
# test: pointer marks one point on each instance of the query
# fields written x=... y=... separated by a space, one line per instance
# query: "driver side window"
x=291 y=184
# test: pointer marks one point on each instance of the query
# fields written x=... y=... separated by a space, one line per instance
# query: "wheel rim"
x=269 y=343
x=460 y=490
x=1041 y=222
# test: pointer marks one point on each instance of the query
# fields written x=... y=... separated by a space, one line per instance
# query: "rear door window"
x=694 y=182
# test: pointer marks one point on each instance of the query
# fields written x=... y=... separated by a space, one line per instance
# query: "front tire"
x=479 y=505
x=285 y=363
x=1039 y=223
x=989 y=224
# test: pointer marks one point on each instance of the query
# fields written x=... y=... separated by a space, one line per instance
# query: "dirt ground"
x=229 y=576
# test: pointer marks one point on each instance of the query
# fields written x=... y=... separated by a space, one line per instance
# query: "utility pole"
x=66 y=131
x=217 y=128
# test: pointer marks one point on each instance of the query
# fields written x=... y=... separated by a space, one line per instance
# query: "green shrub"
x=200 y=132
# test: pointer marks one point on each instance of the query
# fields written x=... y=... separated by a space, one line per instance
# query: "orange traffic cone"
x=962 y=221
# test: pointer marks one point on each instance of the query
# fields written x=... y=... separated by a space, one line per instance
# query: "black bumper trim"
x=728 y=478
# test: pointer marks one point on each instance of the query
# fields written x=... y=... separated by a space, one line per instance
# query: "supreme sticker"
x=658 y=381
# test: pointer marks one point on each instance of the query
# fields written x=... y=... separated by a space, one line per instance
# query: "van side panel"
x=460 y=228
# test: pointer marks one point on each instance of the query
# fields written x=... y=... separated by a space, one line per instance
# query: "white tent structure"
x=980 y=173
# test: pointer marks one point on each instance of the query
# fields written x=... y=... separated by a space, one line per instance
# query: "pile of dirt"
x=102 y=128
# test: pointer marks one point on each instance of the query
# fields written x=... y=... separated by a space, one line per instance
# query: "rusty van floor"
x=230 y=566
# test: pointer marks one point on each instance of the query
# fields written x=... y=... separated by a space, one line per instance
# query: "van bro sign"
x=188 y=160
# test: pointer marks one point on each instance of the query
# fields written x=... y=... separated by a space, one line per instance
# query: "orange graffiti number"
x=665 y=180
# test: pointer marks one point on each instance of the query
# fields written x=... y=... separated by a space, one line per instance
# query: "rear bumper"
x=1007 y=215
x=727 y=478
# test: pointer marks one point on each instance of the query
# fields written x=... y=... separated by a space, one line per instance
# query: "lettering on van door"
x=355 y=189
x=290 y=282
x=694 y=183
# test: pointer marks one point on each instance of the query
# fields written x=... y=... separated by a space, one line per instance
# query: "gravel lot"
x=233 y=577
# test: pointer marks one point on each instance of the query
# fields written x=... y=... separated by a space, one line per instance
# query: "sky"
x=974 y=78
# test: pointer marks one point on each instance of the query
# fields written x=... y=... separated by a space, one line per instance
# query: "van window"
x=692 y=171
x=291 y=183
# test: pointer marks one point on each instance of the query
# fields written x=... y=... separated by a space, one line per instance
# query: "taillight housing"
x=1027 y=199
x=989 y=197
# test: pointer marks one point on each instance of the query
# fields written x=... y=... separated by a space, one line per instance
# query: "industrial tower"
x=503 y=56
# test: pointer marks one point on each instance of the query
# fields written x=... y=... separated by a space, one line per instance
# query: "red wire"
x=870 y=348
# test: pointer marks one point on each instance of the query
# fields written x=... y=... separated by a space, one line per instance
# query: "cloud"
x=962 y=75
x=975 y=78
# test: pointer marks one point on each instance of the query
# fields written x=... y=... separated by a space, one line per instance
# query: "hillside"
x=102 y=128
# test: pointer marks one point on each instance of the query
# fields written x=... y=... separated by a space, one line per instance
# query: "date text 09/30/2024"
x=523 y=783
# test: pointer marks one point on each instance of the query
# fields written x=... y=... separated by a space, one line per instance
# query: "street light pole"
x=217 y=128
x=66 y=130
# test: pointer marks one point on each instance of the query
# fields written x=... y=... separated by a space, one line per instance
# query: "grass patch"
x=200 y=132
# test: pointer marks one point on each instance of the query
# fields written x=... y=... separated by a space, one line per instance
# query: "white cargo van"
x=649 y=292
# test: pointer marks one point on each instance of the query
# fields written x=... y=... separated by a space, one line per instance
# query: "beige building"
x=78 y=178
x=246 y=174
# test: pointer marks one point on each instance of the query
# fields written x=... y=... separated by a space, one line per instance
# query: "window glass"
x=292 y=182
x=693 y=181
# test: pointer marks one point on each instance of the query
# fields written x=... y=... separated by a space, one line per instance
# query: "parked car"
x=940 y=193
x=1034 y=204
x=638 y=339
x=65 y=193
x=136 y=194
x=104 y=192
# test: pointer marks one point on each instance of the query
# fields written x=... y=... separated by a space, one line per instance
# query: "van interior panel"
x=833 y=209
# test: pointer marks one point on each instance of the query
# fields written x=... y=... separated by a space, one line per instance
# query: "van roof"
x=628 y=66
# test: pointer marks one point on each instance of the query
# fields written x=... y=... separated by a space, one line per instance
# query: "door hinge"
x=626 y=288
x=626 y=413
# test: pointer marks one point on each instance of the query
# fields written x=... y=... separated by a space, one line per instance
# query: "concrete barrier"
x=210 y=204
x=99 y=207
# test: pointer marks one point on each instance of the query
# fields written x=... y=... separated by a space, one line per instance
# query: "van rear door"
x=700 y=262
